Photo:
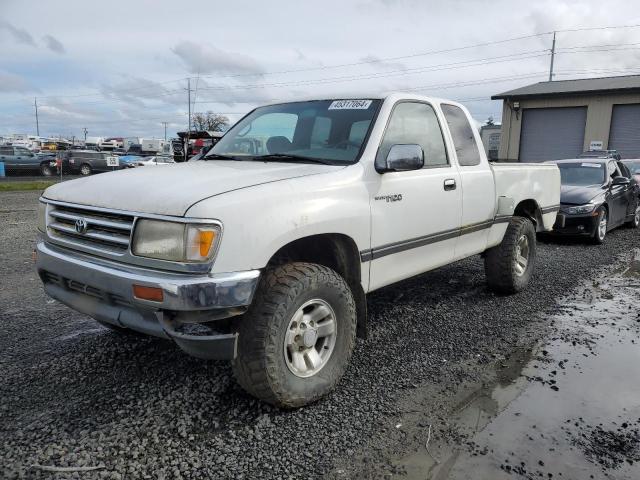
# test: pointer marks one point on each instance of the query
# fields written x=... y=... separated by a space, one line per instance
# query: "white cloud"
x=199 y=58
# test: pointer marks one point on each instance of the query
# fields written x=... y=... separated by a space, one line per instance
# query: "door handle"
x=449 y=184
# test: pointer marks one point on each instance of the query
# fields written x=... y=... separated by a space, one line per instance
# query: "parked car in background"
x=600 y=154
x=634 y=167
x=156 y=160
x=112 y=143
x=85 y=162
x=21 y=160
x=597 y=195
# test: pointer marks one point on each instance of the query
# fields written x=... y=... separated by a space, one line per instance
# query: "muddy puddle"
x=567 y=407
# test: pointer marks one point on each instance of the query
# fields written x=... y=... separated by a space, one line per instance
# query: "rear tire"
x=85 y=169
x=509 y=265
x=601 y=227
x=299 y=307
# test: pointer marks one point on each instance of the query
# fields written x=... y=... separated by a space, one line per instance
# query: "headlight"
x=42 y=217
x=176 y=242
x=579 y=209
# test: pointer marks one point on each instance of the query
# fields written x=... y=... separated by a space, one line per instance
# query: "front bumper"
x=103 y=290
x=584 y=224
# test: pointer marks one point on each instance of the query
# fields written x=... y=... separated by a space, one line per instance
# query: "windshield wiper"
x=217 y=156
x=283 y=157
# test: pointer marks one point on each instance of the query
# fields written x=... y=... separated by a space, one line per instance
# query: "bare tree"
x=209 y=121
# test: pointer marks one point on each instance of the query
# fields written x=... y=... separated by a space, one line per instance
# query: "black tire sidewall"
x=318 y=384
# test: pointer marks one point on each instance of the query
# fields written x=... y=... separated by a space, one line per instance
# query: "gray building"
x=561 y=119
x=490 y=135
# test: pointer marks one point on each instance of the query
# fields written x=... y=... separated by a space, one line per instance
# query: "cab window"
x=464 y=140
x=415 y=123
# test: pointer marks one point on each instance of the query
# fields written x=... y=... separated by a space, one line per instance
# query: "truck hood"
x=171 y=190
x=579 y=195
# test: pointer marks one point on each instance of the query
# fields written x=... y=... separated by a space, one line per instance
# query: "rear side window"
x=466 y=147
x=23 y=151
x=624 y=170
x=415 y=123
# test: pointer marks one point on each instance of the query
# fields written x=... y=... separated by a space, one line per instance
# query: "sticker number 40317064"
x=350 y=105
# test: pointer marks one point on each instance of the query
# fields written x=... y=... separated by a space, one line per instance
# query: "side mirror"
x=402 y=158
x=620 y=181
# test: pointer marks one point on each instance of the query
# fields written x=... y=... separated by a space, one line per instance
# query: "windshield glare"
x=583 y=173
x=331 y=130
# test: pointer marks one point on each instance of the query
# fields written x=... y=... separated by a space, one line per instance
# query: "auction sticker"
x=350 y=105
x=591 y=165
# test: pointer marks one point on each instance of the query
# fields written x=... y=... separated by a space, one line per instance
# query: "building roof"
x=583 y=86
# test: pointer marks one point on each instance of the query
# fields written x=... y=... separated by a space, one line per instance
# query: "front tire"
x=601 y=226
x=297 y=337
x=509 y=265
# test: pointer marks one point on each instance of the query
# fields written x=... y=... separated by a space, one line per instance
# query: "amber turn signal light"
x=153 y=294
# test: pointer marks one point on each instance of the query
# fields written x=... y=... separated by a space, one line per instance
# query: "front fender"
x=258 y=221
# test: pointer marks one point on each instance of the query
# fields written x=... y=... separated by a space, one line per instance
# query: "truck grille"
x=106 y=231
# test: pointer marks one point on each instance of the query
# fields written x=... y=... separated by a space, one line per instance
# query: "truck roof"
x=369 y=95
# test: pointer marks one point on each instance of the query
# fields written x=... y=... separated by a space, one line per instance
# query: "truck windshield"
x=582 y=173
x=327 y=131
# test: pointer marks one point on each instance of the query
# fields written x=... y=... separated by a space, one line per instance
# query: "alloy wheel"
x=310 y=338
x=522 y=255
x=602 y=226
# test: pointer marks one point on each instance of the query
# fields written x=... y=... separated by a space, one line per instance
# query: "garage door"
x=624 y=135
x=552 y=133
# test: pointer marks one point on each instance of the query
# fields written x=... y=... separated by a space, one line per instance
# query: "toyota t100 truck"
x=262 y=253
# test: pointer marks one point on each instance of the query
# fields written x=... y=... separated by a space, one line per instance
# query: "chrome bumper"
x=103 y=289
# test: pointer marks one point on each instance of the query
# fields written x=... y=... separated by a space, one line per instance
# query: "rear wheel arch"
x=336 y=251
x=530 y=209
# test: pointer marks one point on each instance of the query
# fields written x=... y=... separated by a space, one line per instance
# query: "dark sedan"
x=597 y=195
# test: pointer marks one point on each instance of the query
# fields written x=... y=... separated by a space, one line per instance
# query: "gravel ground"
x=76 y=395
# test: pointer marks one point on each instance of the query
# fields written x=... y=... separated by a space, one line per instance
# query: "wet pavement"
x=568 y=407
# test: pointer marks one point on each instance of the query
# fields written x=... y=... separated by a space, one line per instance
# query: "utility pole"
x=35 y=104
x=553 y=55
x=186 y=147
x=165 y=130
x=85 y=134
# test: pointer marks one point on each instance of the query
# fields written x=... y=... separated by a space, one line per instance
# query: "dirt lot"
x=453 y=382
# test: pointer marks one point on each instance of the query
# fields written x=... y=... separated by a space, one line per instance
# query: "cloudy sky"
x=120 y=68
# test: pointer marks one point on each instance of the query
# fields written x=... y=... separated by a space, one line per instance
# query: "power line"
x=370 y=61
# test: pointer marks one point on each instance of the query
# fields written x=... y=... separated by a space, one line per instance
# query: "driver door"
x=415 y=215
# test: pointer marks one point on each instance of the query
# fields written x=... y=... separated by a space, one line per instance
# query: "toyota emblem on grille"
x=81 y=225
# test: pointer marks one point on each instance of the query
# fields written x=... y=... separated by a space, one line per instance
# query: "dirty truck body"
x=263 y=252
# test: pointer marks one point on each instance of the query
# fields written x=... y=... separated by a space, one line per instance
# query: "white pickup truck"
x=265 y=259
